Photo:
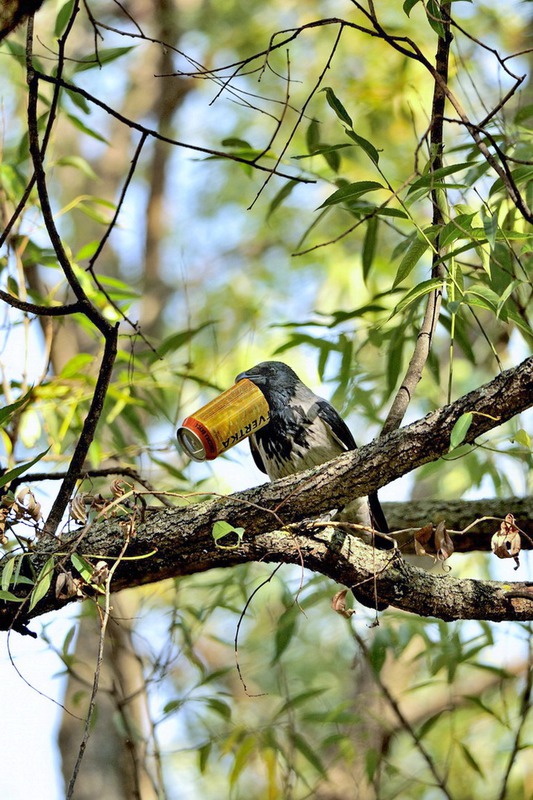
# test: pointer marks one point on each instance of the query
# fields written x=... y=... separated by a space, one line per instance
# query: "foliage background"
x=209 y=268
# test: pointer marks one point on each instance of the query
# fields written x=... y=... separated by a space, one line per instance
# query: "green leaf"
x=460 y=429
x=471 y=761
x=409 y=5
x=7 y=477
x=84 y=567
x=337 y=106
x=278 y=199
x=521 y=175
x=242 y=758
x=173 y=343
x=42 y=584
x=482 y=296
x=523 y=438
x=385 y=211
x=298 y=700
x=78 y=163
x=369 y=245
x=434 y=16
x=7 y=573
x=221 y=529
x=100 y=58
x=203 y=756
x=423 y=288
x=81 y=126
x=308 y=752
x=12 y=286
x=11 y=598
x=490 y=227
x=312 y=137
x=351 y=192
x=87 y=251
x=233 y=141
x=525 y=116
x=219 y=707
x=7 y=412
x=433 y=179
x=62 y=18
x=412 y=256
x=285 y=629
x=367 y=146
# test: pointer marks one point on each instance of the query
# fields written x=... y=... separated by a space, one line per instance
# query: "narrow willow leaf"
x=415 y=294
x=367 y=146
x=308 y=752
x=337 y=106
x=7 y=573
x=7 y=412
x=434 y=178
x=312 y=137
x=351 y=192
x=84 y=567
x=42 y=584
x=414 y=253
x=278 y=199
x=78 y=163
x=14 y=473
x=490 y=227
x=11 y=598
x=62 y=18
x=285 y=629
x=104 y=56
x=369 y=245
x=460 y=429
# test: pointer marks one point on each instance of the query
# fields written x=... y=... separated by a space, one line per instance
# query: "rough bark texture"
x=180 y=540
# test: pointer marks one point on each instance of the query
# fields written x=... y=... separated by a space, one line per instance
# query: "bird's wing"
x=339 y=429
x=259 y=463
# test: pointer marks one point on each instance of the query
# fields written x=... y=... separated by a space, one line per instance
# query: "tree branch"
x=172 y=542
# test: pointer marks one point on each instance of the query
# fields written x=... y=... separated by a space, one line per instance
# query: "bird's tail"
x=376 y=513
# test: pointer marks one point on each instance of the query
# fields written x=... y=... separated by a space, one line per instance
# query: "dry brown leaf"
x=338 y=604
x=434 y=541
x=506 y=542
x=100 y=574
x=67 y=586
x=443 y=542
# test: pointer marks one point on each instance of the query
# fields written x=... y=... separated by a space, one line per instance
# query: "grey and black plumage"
x=303 y=431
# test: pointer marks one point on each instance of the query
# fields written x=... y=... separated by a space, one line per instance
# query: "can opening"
x=191 y=443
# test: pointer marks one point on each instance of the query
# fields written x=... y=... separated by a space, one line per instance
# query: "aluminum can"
x=232 y=416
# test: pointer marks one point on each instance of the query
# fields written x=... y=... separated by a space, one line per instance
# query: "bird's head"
x=275 y=379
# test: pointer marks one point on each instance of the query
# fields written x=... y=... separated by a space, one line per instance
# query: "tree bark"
x=277 y=519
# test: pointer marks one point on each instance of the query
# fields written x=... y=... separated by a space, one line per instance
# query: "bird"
x=303 y=431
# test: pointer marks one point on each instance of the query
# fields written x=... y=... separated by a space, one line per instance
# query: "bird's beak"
x=257 y=379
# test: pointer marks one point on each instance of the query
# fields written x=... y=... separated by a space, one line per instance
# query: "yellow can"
x=226 y=420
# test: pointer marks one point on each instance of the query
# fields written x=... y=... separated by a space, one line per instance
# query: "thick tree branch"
x=179 y=541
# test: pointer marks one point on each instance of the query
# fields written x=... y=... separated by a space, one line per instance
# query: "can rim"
x=191 y=443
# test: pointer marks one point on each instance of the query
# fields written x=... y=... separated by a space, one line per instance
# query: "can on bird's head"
x=230 y=417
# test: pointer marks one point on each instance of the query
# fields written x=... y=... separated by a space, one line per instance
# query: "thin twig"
x=105 y=615
x=525 y=708
x=431 y=315
x=404 y=722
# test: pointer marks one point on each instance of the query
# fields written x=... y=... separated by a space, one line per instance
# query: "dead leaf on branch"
x=338 y=604
x=434 y=541
x=506 y=542
x=67 y=586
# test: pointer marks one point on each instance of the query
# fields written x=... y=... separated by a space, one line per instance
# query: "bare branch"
x=180 y=542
